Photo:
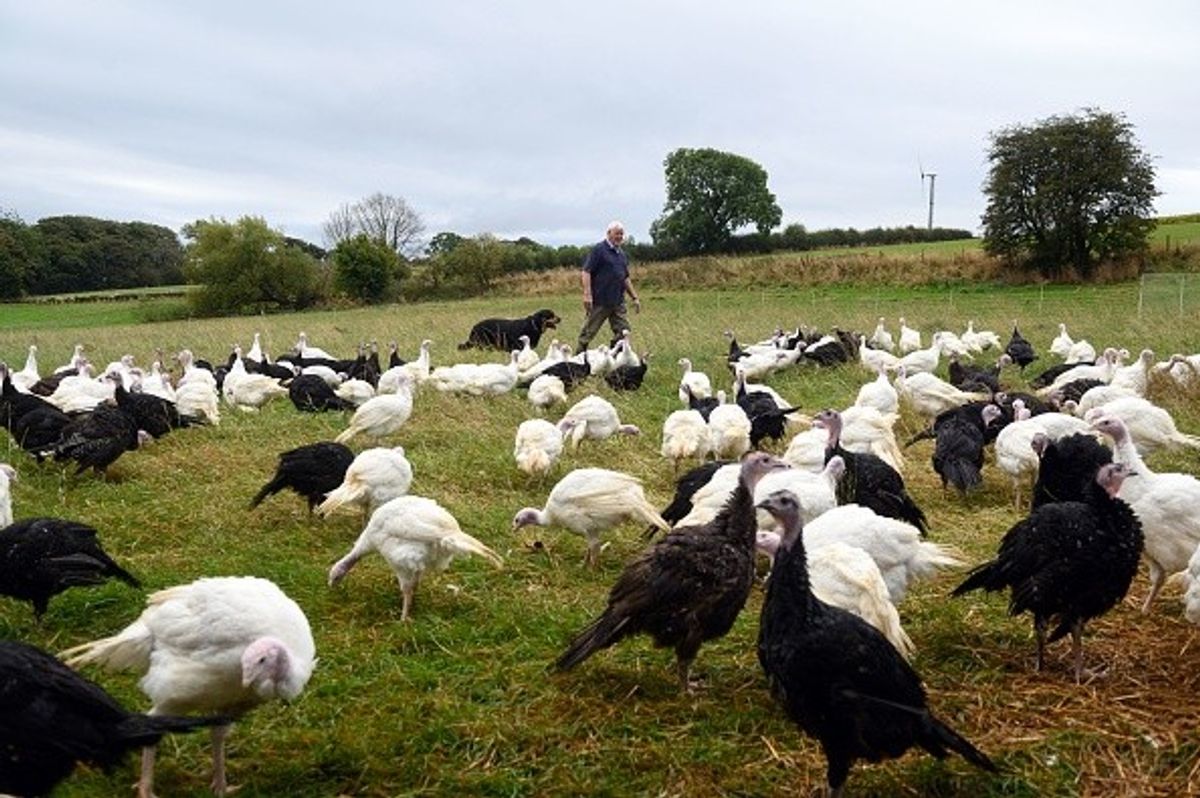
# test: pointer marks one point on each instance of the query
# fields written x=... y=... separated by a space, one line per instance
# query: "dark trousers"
x=615 y=316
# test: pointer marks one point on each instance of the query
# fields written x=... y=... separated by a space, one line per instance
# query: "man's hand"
x=587 y=303
x=637 y=306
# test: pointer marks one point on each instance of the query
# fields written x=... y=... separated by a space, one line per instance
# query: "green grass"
x=459 y=702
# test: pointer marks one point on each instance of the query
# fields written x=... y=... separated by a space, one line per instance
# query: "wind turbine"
x=932 y=178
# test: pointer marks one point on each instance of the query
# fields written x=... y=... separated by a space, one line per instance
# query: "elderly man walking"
x=606 y=280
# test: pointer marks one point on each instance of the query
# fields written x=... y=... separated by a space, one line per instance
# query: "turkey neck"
x=737 y=519
x=788 y=585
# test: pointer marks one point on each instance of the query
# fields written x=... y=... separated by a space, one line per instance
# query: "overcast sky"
x=548 y=119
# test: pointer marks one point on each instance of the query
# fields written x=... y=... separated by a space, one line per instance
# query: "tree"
x=83 y=253
x=365 y=269
x=381 y=217
x=443 y=243
x=471 y=266
x=1068 y=191
x=21 y=255
x=246 y=267
x=710 y=195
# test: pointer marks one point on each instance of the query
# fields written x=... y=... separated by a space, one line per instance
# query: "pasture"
x=459 y=701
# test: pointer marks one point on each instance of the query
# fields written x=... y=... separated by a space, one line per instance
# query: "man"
x=606 y=280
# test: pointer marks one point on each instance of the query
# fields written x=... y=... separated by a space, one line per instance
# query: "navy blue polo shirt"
x=609 y=268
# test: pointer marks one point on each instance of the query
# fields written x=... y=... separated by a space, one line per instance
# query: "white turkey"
x=527 y=357
x=415 y=372
x=728 y=432
x=845 y=576
x=1136 y=376
x=1102 y=369
x=813 y=487
x=310 y=352
x=1081 y=351
x=75 y=361
x=910 y=339
x=249 y=392
x=1150 y=426
x=256 y=351
x=538 y=446
x=593 y=418
x=415 y=535
x=589 y=502
x=921 y=360
x=28 y=376
x=382 y=415
x=685 y=435
x=546 y=390
x=354 y=391
x=8 y=475
x=1061 y=345
x=1191 y=595
x=373 y=478
x=697 y=381
x=1166 y=504
x=895 y=546
x=81 y=392
x=816 y=491
x=864 y=429
x=881 y=338
x=220 y=645
x=875 y=359
x=979 y=341
x=1015 y=454
x=880 y=394
x=930 y=395
x=947 y=343
x=156 y=383
x=622 y=353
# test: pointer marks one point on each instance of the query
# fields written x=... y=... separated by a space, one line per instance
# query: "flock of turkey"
x=845 y=535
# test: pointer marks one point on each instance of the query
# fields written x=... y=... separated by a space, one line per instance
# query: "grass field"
x=459 y=702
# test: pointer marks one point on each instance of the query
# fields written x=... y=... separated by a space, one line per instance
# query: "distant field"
x=458 y=702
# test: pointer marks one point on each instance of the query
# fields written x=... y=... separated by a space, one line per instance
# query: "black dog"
x=505 y=334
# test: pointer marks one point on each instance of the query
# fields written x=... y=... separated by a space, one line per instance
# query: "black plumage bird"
x=42 y=557
x=14 y=403
x=95 y=440
x=39 y=429
x=984 y=379
x=51 y=718
x=702 y=405
x=311 y=394
x=1020 y=350
x=868 y=480
x=1049 y=375
x=958 y=453
x=311 y=471
x=1067 y=467
x=154 y=414
x=628 y=378
x=1067 y=563
x=686 y=588
x=769 y=424
x=570 y=372
x=685 y=488
x=835 y=675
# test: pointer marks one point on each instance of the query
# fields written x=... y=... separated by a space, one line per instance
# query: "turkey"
x=42 y=557
x=685 y=489
x=537 y=447
x=527 y=357
x=879 y=394
x=374 y=477
x=1165 y=504
x=1014 y=445
x=875 y=359
x=153 y=414
x=307 y=352
x=976 y=378
x=415 y=535
x=881 y=338
x=910 y=339
x=686 y=588
x=1102 y=370
x=920 y=360
x=414 y=372
x=381 y=416
x=1066 y=467
x=311 y=394
x=249 y=392
x=354 y=391
x=981 y=340
x=95 y=440
x=895 y=546
x=1136 y=376
x=846 y=576
x=728 y=432
x=1019 y=349
x=836 y=676
x=1191 y=595
x=594 y=418
x=8 y=475
x=589 y=502
x=864 y=430
x=816 y=492
x=869 y=481
x=695 y=381
x=627 y=377
x=219 y=645
x=1067 y=563
x=547 y=390
x=929 y=395
x=28 y=376
x=311 y=471
x=958 y=453
x=1081 y=352
x=685 y=435
x=53 y=718
x=1150 y=427
x=1062 y=342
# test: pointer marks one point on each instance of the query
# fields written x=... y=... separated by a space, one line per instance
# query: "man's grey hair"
x=614 y=225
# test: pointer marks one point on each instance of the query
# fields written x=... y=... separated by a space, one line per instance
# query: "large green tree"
x=83 y=253
x=1068 y=192
x=21 y=255
x=246 y=267
x=710 y=195
x=366 y=269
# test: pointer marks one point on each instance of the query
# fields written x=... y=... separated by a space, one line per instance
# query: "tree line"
x=1063 y=195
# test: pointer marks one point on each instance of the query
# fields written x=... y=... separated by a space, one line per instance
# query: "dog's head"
x=546 y=319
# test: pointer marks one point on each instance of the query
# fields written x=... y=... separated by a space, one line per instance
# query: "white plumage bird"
x=310 y=352
x=538 y=446
x=1150 y=426
x=930 y=395
x=589 y=502
x=249 y=392
x=527 y=357
x=546 y=390
x=373 y=478
x=728 y=432
x=415 y=535
x=381 y=415
x=28 y=376
x=910 y=339
x=684 y=435
x=1061 y=345
x=881 y=338
x=220 y=645
x=880 y=394
x=1191 y=594
x=697 y=381
x=595 y=418
x=8 y=475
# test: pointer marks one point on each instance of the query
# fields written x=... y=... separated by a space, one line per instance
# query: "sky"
x=549 y=119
